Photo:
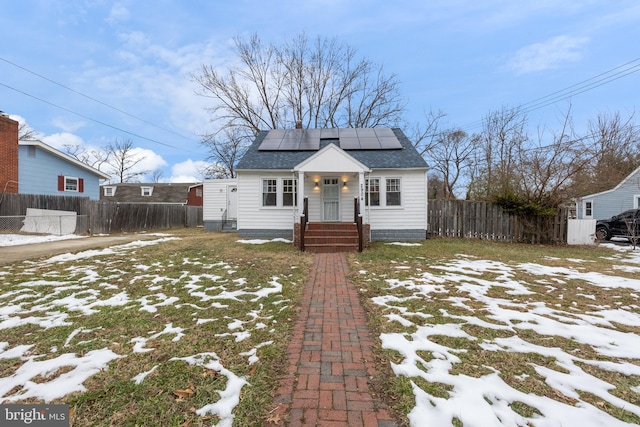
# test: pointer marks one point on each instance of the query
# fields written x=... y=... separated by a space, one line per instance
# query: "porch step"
x=331 y=237
x=230 y=226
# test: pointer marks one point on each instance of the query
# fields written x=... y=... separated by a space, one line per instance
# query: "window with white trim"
x=372 y=193
x=588 y=208
x=289 y=192
x=70 y=184
x=393 y=192
x=146 y=191
x=109 y=191
x=269 y=192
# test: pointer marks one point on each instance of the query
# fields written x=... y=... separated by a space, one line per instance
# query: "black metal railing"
x=304 y=218
x=357 y=218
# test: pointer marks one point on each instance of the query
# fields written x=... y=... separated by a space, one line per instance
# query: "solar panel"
x=349 y=143
x=369 y=143
x=390 y=143
x=309 y=139
x=329 y=133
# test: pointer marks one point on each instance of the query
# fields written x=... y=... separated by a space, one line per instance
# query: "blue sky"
x=466 y=58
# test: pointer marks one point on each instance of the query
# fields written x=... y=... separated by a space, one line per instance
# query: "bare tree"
x=425 y=136
x=97 y=158
x=501 y=141
x=25 y=132
x=123 y=162
x=546 y=170
x=224 y=151
x=318 y=83
x=613 y=145
x=157 y=175
x=450 y=156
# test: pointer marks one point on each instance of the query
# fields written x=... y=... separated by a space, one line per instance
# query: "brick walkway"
x=329 y=356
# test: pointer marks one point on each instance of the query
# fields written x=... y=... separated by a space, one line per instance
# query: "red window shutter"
x=81 y=185
x=60 y=183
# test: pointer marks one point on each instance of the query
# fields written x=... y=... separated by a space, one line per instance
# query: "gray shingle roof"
x=162 y=193
x=406 y=157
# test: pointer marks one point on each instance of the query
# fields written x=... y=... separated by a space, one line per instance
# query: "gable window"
x=109 y=191
x=393 y=192
x=269 y=192
x=199 y=192
x=70 y=184
x=31 y=151
x=289 y=192
x=146 y=191
x=588 y=209
x=372 y=194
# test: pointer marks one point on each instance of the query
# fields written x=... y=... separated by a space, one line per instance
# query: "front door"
x=330 y=199
x=232 y=202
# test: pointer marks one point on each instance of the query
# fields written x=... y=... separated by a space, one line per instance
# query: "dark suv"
x=624 y=224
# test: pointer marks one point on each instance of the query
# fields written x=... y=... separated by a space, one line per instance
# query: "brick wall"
x=8 y=155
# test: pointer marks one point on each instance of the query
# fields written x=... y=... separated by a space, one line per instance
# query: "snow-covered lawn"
x=153 y=332
x=7 y=239
x=482 y=342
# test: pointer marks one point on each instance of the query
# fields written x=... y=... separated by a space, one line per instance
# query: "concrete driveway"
x=9 y=254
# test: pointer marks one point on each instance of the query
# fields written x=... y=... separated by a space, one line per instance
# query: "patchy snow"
x=29 y=239
x=90 y=284
x=229 y=397
x=262 y=241
x=486 y=399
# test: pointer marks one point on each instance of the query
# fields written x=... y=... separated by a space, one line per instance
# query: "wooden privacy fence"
x=485 y=220
x=17 y=204
x=106 y=217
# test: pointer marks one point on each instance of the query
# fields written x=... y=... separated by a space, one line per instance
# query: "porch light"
x=344 y=183
x=316 y=184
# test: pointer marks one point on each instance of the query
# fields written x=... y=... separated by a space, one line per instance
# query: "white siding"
x=251 y=214
x=214 y=198
x=412 y=214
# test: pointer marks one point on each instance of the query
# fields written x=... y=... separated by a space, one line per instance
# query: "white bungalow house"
x=297 y=183
x=625 y=195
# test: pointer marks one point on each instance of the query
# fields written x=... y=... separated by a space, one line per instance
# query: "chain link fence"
x=46 y=224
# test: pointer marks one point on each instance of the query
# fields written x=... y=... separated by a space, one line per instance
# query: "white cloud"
x=188 y=171
x=549 y=54
x=150 y=159
x=60 y=139
x=67 y=125
x=118 y=13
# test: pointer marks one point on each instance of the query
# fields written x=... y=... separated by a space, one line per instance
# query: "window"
x=289 y=192
x=199 y=192
x=393 y=192
x=109 y=191
x=372 y=194
x=146 y=191
x=70 y=184
x=588 y=209
x=269 y=192
x=31 y=151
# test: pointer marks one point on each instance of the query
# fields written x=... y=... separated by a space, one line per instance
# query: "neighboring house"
x=33 y=167
x=606 y=204
x=165 y=193
x=333 y=172
x=44 y=170
x=194 y=198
